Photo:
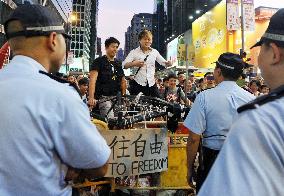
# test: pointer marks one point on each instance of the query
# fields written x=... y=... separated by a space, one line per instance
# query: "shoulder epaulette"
x=273 y=95
x=60 y=80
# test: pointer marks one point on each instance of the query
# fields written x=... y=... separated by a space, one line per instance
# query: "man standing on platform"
x=106 y=79
x=144 y=58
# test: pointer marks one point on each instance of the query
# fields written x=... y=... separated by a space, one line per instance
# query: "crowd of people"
x=172 y=87
x=47 y=138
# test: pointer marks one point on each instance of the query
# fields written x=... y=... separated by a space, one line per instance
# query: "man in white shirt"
x=144 y=58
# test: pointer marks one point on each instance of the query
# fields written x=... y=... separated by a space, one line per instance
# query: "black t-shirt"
x=109 y=78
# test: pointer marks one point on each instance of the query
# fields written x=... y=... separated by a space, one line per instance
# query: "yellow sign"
x=209 y=34
x=181 y=52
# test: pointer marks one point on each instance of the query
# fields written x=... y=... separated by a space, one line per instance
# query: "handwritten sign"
x=139 y=151
x=233 y=20
x=249 y=15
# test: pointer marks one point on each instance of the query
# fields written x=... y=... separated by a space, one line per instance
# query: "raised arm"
x=162 y=61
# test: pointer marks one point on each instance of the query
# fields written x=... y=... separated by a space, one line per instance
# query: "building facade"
x=159 y=26
x=80 y=28
x=95 y=43
x=84 y=34
x=120 y=54
x=179 y=15
x=62 y=8
x=99 y=52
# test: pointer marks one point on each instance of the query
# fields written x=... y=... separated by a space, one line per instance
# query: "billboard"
x=172 y=51
x=209 y=34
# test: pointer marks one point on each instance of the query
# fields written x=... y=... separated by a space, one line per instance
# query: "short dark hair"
x=263 y=86
x=243 y=75
x=208 y=73
x=172 y=76
x=180 y=72
x=232 y=75
x=256 y=82
x=83 y=81
x=165 y=79
x=111 y=40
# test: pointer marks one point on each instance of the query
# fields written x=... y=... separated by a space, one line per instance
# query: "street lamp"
x=71 y=18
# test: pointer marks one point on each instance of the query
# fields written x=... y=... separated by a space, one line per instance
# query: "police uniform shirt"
x=147 y=72
x=109 y=78
x=44 y=127
x=214 y=110
x=251 y=161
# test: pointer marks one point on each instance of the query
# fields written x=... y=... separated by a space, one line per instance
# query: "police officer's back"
x=252 y=160
x=45 y=127
x=213 y=112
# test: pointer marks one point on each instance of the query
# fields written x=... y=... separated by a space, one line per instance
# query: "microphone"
x=146 y=58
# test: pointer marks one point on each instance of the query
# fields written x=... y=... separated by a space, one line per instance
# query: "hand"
x=138 y=63
x=72 y=174
x=91 y=102
x=168 y=63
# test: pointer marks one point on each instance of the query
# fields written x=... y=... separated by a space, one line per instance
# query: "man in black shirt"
x=106 y=78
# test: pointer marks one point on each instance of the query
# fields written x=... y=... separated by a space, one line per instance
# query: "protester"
x=201 y=85
x=209 y=80
x=72 y=79
x=251 y=161
x=46 y=129
x=254 y=86
x=144 y=58
x=84 y=86
x=79 y=77
x=264 y=89
x=173 y=93
x=181 y=79
x=191 y=94
x=193 y=82
x=166 y=82
x=106 y=79
x=212 y=114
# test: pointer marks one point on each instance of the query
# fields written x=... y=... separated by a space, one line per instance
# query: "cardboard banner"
x=233 y=19
x=135 y=152
x=249 y=15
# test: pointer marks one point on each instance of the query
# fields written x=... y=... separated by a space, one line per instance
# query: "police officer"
x=252 y=160
x=213 y=112
x=45 y=127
